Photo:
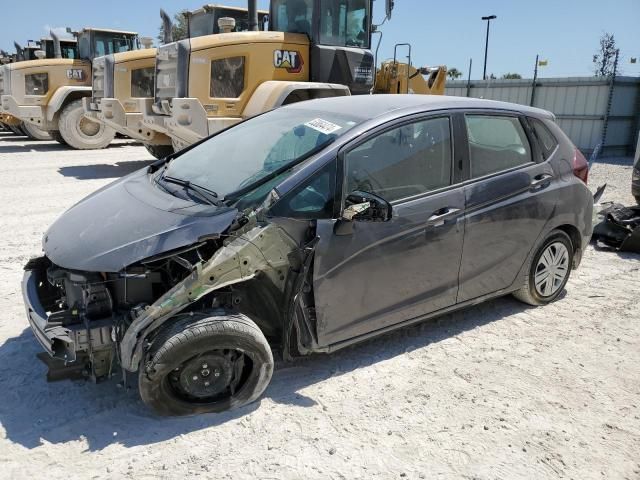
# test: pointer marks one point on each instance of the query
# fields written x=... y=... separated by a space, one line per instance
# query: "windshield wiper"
x=267 y=178
x=203 y=192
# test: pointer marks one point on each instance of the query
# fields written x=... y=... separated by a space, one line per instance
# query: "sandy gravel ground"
x=499 y=391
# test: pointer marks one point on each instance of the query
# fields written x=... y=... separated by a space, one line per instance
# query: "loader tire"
x=80 y=132
x=17 y=130
x=35 y=133
x=55 y=135
x=159 y=151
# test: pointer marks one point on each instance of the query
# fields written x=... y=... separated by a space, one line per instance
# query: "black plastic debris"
x=617 y=227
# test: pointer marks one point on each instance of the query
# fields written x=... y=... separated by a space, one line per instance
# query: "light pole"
x=486 y=45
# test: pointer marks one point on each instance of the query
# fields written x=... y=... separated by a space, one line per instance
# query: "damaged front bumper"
x=87 y=346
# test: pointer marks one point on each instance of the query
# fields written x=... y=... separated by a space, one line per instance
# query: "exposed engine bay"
x=93 y=323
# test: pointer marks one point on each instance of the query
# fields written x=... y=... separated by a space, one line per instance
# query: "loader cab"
x=94 y=43
x=29 y=51
x=204 y=21
x=68 y=48
x=340 y=36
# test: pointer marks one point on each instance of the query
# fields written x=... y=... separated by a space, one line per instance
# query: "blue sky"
x=565 y=32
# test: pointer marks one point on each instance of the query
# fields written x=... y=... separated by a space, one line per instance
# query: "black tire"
x=159 y=151
x=172 y=380
x=17 y=130
x=531 y=295
x=55 y=134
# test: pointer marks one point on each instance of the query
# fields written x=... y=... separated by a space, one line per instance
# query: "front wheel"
x=548 y=271
x=205 y=363
x=80 y=132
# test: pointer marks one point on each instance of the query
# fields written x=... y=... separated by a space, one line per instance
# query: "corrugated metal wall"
x=579 y=103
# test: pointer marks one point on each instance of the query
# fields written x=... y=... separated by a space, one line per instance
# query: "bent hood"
x=128 y=221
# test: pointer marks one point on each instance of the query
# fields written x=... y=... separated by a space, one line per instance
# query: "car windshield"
x=262 y=148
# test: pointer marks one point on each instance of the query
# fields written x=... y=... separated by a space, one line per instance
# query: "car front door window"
x=405 y=161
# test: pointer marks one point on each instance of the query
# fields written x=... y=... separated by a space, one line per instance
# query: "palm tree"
x=454 y=73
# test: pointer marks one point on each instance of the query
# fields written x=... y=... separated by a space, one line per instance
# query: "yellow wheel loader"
x=44 y=48
x=47 y=93
x=313 y=49
x=121 y=80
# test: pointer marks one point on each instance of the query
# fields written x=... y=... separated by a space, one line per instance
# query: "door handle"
x=439 y=216
x=541 y=181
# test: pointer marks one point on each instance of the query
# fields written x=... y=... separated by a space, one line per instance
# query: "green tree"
x=512 y=76
x=605 y=56
x=178 y=28
x=454 y=73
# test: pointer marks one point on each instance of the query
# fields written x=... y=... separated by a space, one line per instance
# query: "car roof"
x=366 y=107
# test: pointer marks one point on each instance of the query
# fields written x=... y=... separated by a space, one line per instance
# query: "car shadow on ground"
x=33 y=411
x=104 y=170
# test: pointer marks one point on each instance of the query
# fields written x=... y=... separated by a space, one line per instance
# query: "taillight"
x=580 y=166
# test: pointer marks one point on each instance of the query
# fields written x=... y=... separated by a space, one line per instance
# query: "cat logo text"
x=290 y=60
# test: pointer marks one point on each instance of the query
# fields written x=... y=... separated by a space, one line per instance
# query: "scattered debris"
x=617 y=227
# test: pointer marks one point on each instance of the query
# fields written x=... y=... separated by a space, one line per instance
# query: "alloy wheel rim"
x=552 y=269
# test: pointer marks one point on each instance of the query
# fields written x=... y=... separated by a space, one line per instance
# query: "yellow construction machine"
x=397 y=77
x=121 y=80
x=313 y=49
x=44 y=48
x=47 y=93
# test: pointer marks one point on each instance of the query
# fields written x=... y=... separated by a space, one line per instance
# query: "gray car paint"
x=128 y=221
x=408 y=231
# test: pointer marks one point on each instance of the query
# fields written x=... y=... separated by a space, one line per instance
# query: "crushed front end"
x=72 y=315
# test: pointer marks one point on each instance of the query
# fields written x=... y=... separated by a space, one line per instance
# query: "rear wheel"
x=80 y=132
x=159 y=151
x=35 y=133
x=206 y=364
x=55 y=134
x=548 y=271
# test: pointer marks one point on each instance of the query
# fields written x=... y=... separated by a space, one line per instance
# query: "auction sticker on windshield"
x=323 y=126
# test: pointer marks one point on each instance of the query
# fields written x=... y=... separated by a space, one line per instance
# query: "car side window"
x=546 y=140
x=496 y=143
x=313 y=199
x=402 y=162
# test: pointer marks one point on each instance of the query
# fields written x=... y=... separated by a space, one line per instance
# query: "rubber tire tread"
x=55 y=134
x=186 y=337
x=67 y=126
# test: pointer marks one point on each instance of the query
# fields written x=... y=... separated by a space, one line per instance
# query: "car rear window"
x=546 y=140
x=496 y=143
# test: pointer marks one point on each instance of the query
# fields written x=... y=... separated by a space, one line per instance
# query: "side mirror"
x=388 y=7
x=366 y=207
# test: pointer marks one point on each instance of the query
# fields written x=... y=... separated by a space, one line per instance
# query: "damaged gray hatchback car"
x=303 y=230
